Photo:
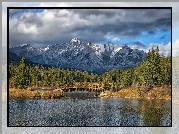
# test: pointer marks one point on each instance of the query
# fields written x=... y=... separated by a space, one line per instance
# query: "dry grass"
x=159 y=93
x=131 y=92
x=28 y=94
x=128 y=93
x=125 y=93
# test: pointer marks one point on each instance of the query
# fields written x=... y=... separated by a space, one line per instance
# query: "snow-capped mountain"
x=74 y=54
x=83 y=56
x=77 y=40
x=25 y=50
x=127 y=57
x=44 y=49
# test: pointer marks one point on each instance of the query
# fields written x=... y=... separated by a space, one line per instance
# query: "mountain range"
x=82 y=56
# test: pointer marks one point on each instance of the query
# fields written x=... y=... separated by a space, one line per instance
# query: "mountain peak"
x=83 y=56
x=21 y=45
x=44 y=49
x=75 y=40
x=125 y=47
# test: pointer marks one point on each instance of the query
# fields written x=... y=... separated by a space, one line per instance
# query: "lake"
x=89 y=112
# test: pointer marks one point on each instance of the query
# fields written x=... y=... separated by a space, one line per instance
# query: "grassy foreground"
x=132 y=92
x=28 y=94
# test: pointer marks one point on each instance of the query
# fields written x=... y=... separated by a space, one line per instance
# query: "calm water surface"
x=89 y=112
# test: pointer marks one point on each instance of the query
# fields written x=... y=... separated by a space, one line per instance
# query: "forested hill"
x=15 y=59
x=154 y=71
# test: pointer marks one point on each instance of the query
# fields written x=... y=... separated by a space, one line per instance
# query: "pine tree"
x=85 y=76
x=21 y=79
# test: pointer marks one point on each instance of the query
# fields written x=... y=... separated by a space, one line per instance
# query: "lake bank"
x=35 y=94
x=132 y=92
x=153 y=93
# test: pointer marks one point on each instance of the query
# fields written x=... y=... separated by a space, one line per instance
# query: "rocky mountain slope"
x=83 y=56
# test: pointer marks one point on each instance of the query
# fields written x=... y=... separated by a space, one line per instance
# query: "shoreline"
x=168 y=99
x=29 y=94
x=158 y=93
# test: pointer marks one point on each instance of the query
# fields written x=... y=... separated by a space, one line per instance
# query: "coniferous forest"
x=155 y=71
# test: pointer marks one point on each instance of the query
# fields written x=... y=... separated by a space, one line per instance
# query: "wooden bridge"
x=85 y=86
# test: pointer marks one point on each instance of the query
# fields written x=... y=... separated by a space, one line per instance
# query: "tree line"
x=154 y=71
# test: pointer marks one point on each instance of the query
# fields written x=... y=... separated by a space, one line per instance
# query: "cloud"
x=151 y=32
x=136 y=45
x=116 y=40
x=123 y=44
x=139 y=44
x=174 y=5
x=163 y=37
x=58 y=26
x=164 y=49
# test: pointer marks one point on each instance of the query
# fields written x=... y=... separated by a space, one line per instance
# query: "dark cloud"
x=151 y=32
x=32 y=20
x=83 y=13
x=138 y=43
x=90 y=25
x=163 y=23
x=123 y=44
x=163 y=37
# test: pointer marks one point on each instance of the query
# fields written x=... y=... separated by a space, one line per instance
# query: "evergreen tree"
x=21 y=79
x=154 y=71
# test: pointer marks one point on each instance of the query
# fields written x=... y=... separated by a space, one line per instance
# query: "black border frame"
x=8 y=8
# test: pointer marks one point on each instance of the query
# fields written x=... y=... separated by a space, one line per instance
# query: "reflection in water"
x=21 y=107
x=80 y=94
x=154 y=112
x=89 y=112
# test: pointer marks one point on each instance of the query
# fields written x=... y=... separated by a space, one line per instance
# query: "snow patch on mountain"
x=25 y=50
x=44 y=49
x=117 y=49
x=83 y=56
x=77 y=40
